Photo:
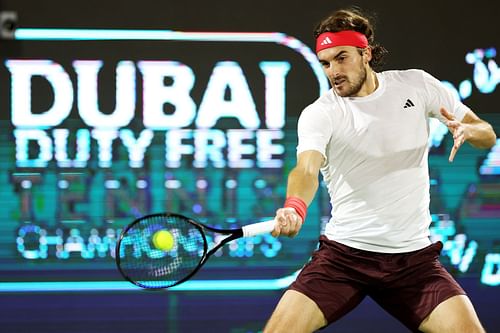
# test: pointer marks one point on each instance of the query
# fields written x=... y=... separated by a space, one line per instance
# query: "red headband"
x=341 y=38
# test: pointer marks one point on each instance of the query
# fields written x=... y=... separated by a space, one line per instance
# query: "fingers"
x=450 y=121
x=452 y=154
x=457 y=129
x=446 y=114
x=452 y=125
x=458 y=140
x=459 y=135
x=288 y=223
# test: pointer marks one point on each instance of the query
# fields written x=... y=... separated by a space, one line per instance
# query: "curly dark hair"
x=354 y=19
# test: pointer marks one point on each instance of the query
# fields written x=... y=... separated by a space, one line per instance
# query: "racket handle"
x=258 y=228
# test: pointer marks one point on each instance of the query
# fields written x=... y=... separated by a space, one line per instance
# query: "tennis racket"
x=141 y=262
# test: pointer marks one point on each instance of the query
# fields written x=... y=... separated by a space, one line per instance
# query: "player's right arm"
x=302 y=184
x=314 y=131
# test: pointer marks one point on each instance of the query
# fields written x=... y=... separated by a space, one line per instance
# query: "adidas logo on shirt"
x=326 y=41
x=408 y=104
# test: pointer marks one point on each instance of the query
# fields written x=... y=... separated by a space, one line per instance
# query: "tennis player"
x=368 y=137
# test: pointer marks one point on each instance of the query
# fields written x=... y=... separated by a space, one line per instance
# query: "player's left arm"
x=471 y=128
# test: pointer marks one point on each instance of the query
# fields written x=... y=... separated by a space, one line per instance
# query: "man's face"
x=346 y=69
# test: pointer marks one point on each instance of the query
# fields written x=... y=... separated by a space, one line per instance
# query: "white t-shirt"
x=376 y=152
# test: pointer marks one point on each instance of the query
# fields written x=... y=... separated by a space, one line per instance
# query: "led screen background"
x=210 y=172
x=88 y=203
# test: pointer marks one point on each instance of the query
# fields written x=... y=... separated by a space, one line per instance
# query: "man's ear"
x=367 y=54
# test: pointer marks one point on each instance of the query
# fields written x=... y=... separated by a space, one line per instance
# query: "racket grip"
x=258 y=228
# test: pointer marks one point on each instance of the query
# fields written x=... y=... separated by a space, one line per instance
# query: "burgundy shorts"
x=407 y=285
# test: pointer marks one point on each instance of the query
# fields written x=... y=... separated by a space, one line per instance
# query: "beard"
x=350 y=87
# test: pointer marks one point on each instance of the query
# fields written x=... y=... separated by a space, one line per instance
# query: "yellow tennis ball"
x=163 y=240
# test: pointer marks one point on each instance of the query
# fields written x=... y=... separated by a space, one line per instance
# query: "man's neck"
x=370 y=85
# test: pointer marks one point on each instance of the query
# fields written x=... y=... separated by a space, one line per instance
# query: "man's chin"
x=341 y=93
x=347 y=91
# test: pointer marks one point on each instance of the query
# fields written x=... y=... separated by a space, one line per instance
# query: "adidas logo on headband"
x=341 y=38
x=326 y=41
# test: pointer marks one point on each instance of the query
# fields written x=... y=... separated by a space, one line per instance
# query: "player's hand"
x=288 y=223
x=457 y=128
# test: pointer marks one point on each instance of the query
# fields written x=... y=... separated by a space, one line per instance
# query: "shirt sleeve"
x=314 y=130
x=439 y=96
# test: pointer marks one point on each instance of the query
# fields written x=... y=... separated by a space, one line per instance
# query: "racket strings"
x=148 y=266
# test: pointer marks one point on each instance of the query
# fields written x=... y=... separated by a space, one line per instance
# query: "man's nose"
x=332 y=71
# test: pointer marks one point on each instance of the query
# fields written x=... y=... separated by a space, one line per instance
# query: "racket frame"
x=233 y=234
